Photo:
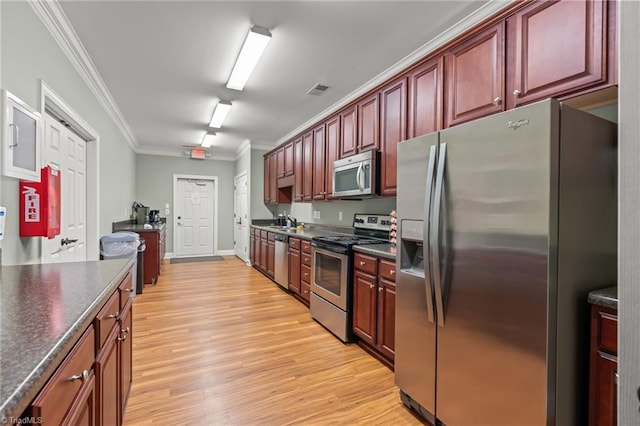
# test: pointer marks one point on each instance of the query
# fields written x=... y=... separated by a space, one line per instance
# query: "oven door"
x=329 y=276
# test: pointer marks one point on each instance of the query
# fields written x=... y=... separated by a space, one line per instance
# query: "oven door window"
x=329 y=277
x=328 y=273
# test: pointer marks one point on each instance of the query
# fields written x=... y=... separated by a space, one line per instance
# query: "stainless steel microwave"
x=356 y=176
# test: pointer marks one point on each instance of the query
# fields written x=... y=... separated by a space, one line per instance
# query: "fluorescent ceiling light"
x=207 y=140
x=252 y=49
x=220 y=113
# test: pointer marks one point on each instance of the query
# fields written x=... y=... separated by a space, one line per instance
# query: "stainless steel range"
x=331 y=274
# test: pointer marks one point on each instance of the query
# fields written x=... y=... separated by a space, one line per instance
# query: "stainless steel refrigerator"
x=505 y=224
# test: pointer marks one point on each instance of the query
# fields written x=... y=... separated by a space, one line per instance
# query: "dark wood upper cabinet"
x=307 y=164
x=425 y=98
x=348 y=132
x=319 y=163
x=555 y=48
x=475 y=76
x=267 y=179
x=280 y=162
x=273 y=178
x=368 y=123
x=298 y=160
x=288 y=159
x=332 y=139
x=393 y=118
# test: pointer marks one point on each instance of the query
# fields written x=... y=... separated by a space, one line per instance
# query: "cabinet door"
x=555 y=48
x=368 y=123
x=386 y=318
x=264 y=253
x=126 y=357
x=267 y=180
x=333 y=151
x=21 y=138
x=348 y=132
x=273 y=179
x=298 y=161
x=288 y=159
x=603 y=404
x=425 y=98
x=83 y=410
x=307 y=184
x=364 y=306
x=319 y=163
x=107 y=380
x=280 y=162
x=475 y=77
x=294 y=271
x=271 y=258
x=393 y=120
x=252 y=248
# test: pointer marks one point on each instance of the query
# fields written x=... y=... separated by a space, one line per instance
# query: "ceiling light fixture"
x=220 y=113
x=251 y=51
x=207 y=140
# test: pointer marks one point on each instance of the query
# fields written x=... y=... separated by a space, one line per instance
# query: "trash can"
x=121 y=245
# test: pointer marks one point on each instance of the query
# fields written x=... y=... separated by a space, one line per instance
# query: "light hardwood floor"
x=217 y=343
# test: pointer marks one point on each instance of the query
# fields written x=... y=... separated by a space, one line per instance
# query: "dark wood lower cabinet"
x=294 y=265
x=125 y=350
x=374 y=304
x=603 y=374
x=107 y=381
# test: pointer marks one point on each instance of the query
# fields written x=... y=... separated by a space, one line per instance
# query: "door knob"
x=66 y=241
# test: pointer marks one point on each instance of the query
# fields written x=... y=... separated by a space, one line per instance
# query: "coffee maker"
x=154 y=216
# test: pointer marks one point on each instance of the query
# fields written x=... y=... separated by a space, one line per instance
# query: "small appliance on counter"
x=154 y=216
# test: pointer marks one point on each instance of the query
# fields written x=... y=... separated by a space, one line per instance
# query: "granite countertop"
x=43 y=311
x=607 y=297
x=137 y=227
x=386 y=251
x=306 y=234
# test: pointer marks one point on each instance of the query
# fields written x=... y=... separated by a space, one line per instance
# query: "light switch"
x=166 y=206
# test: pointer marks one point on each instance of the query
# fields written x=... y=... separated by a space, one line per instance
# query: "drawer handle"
x=84 y=376
x=371 y=286
x=392 y=272
x=123 y=338
x=363 y=263
x=380 y=289
x=113 y=315
x=126 y=330
x=130 y=290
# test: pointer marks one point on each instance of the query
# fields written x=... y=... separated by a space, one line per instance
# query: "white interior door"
x=67 y=151
x=194 y=217
x=241 y=217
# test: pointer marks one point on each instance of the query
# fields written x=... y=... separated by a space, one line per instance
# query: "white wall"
x=154 y=188
x=629 y=219
x=29 y=54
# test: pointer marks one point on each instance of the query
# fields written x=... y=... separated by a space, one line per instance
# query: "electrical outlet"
x=340 y=216
x=317 y=214
x=166 y=211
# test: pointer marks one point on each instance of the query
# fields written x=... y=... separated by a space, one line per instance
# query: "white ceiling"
x=166 y=63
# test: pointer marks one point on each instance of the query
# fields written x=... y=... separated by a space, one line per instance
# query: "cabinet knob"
x=126 y=330
x=113 y=315
x=497 y=100
x=380 y=289
x=517 y=93
x=84 y=376
x=371 y=286
x=130 y=290
x=123 y=338
x=363 y=263
x=392 y=272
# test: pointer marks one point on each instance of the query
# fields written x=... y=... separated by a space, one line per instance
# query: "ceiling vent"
x=317 y=90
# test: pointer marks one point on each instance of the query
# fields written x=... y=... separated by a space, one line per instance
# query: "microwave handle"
x=359 y=177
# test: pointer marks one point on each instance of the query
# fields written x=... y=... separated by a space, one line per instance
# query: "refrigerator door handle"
x=428 y=286
x=434 y=246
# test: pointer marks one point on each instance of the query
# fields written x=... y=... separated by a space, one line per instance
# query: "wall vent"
x=317 y=90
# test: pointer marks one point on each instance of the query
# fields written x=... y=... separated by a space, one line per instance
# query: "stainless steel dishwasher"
x=281 y=272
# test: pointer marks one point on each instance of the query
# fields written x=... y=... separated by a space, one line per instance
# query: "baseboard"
x=225 y=253
x=168 y=255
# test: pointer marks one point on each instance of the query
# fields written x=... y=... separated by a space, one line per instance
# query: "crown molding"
x=56 y=22
x=476 y=17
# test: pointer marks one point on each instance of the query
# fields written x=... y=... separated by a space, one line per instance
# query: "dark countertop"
x=607 y=297
x=137 y=227
x=43 y=311
x=386 y=251
x=307 y=233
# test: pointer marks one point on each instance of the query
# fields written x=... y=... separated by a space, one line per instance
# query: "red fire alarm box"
x=40 y=205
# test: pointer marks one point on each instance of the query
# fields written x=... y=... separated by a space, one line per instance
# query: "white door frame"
x=247 y=239
x=51 y=102
x=215 y=181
